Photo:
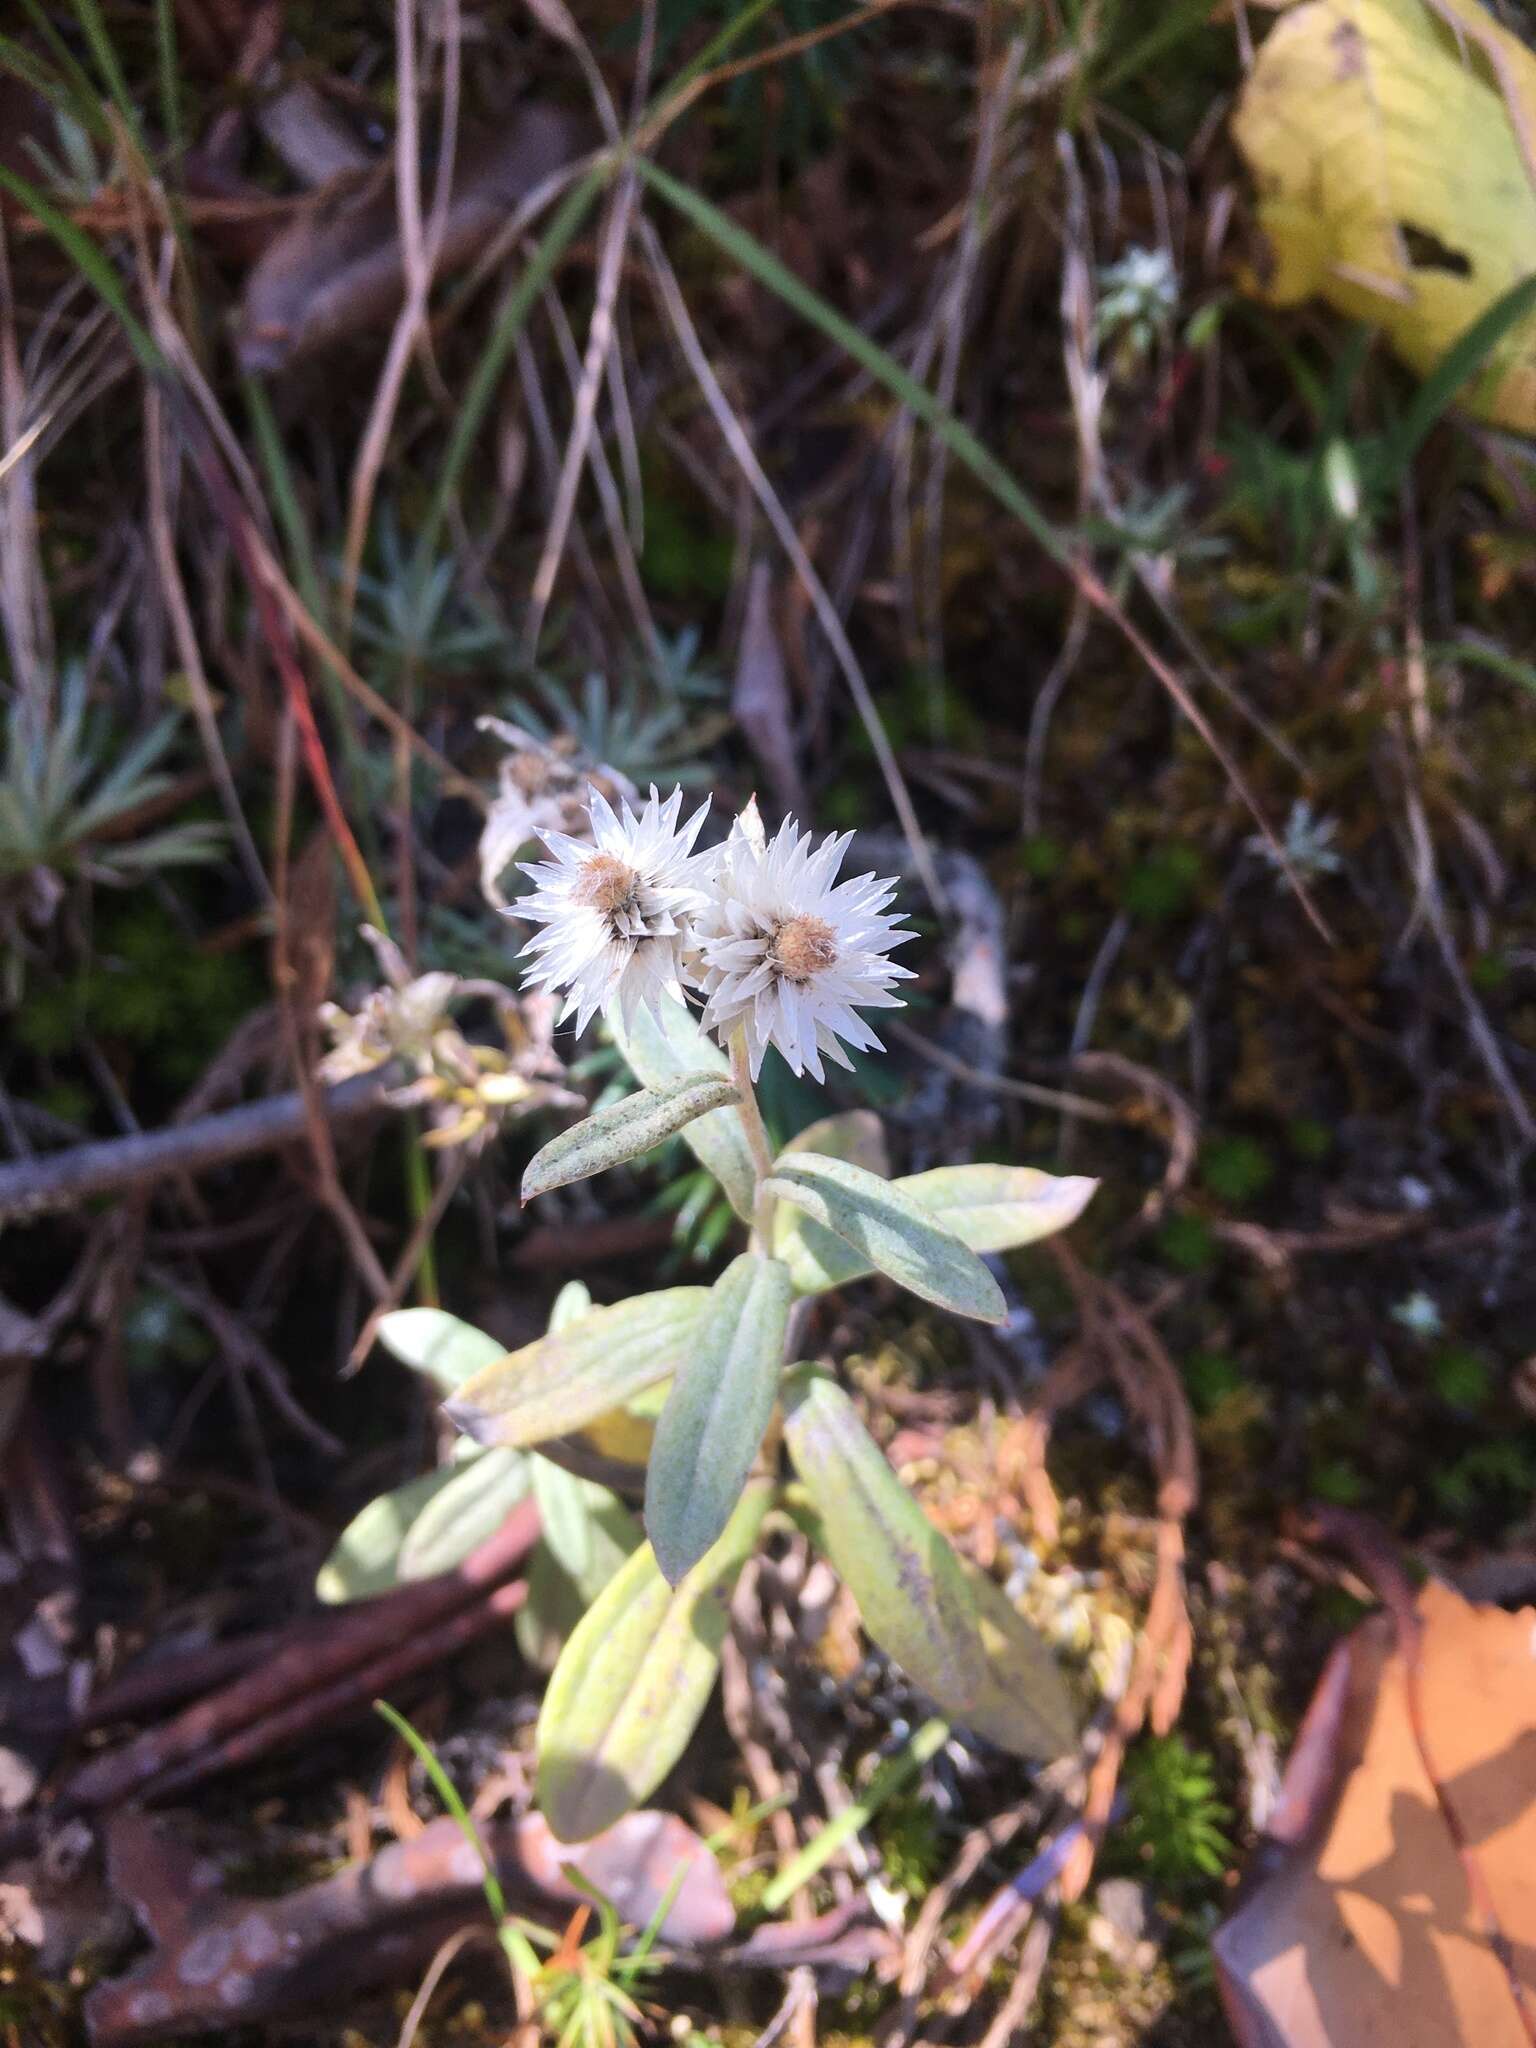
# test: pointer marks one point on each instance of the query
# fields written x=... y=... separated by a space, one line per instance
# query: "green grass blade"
x=1456 y=368
x=86 y=106
x=1179 y=21
x=95 y=31
x=889 y=1779
x=1494 y=659
x=170 y=76
x=762 y=264
x=90 y=262
x=448 y=1792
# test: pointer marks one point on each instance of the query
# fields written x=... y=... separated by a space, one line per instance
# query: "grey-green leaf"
x=624 y=1130
x=659 y=1052
x=574 y=1374
x=989 y=1208
x=715 y=1416
x=563 y=1509
x=430 y=1341
x=633 y=1680
x=911 y=1588
x=556 y=1602
x=572 y=1303
x=484 y=1490
x=367 y=1552
x=890 y=1230
x=1024 y=1705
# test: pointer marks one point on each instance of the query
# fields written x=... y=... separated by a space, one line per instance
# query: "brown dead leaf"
x=338 y=267
x=1370 y=1930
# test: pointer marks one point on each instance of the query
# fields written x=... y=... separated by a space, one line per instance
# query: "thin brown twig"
x=50 y=1181
x=739 y=443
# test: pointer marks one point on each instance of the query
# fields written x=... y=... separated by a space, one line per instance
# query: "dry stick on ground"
x=421 y=246
x=51 y=1181
x=321 y=1666
x=244 y=1348
x=600 y=336
x=740 y=446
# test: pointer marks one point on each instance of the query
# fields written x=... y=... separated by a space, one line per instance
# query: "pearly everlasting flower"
x=545 y=785
x=615 y=907
x=791 y=955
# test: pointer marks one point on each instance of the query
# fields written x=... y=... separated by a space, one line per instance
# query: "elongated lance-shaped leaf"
x=913 y=1595
x=431 y=1341
x=1024 y=1705
x=569 y=1378
x=890 y=1230
x=563 y=1514
x=483 y=1492
x=665 y=1050
x=556 y=1602
x=717 y=1411
x=633 y=1680
x=624 y=1130
x=989 y=1208
x=856 y=1134
x=366 y=1557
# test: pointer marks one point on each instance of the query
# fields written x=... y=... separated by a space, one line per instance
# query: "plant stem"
x=757 y=1136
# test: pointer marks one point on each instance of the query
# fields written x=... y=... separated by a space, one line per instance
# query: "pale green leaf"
x=572 y=1303
x=440 y=1345
x=718 y=1409
x=912 y=1591
x=624 y=1130
x=367 y=1553
x=889 y=1230
x=634 y=1678
x=556 y=1602
x=563 y=1514
x=484 y=1490
x=989 y=1208
x=1024 y=1705
x=857 y=1135
x=660 y=1052
x=567 y=1379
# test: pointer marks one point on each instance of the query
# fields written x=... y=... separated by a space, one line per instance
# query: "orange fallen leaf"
x=1370 y=1927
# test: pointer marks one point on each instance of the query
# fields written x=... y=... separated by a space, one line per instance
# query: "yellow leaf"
x=1393 y=146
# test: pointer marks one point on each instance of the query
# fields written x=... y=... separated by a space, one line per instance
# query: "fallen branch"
x=63 y=1180
x=322 y=1669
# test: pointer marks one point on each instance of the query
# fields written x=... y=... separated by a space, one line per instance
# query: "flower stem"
x=757 y=1135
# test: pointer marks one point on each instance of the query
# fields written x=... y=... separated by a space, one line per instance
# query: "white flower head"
x=616 y=907
x=789 y=953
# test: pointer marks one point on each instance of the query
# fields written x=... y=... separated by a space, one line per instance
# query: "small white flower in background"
x=788 y=953
x=1307 y=843
x=616 y=907
x=545 y=786
x=1419 y=1314
x=1137 y=299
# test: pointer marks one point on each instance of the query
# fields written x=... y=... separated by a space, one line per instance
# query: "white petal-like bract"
x=790 y=954
x=617 y=909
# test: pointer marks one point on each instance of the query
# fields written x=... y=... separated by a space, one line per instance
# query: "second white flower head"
x=789 y=954
x=617 y=909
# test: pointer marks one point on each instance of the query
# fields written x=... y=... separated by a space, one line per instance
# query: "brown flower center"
x=607 y=884
x=803 y=946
